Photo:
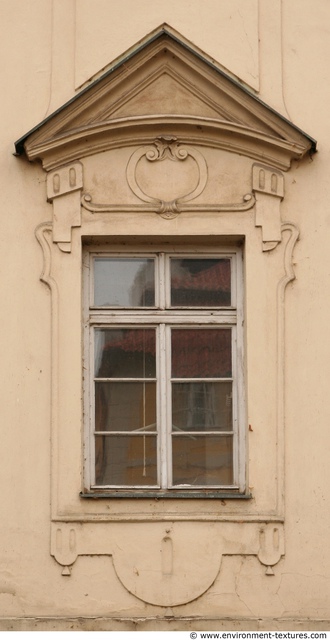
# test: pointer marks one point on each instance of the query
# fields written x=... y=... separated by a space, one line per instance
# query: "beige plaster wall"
x=212 y=29
x=49 y=49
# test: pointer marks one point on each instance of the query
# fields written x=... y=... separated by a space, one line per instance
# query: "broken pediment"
x=165 y=87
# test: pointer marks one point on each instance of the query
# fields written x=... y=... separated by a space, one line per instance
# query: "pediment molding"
x=165 y=88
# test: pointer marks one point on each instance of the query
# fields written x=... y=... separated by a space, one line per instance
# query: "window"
x=164 y=350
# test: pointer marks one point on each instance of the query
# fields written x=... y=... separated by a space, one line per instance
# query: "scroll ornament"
x=167 y=148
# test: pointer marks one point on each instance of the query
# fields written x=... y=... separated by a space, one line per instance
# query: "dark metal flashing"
x=160 y=495
x=163 y=31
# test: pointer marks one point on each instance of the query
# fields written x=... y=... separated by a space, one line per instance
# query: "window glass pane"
x=200 y=282
x=124 y=282
x=202 y=460
x=202 y=406
x=126 y=460
x=125 y=353
x=125 y=406
x=201 y=353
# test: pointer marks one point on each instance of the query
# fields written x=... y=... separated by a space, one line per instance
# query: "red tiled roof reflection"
x=216 y=278
x=203 y=353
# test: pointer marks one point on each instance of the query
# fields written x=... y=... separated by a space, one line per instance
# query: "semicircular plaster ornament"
x=171 y=563
x=160 y=571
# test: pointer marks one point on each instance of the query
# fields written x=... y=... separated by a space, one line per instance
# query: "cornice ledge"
x=115 y=133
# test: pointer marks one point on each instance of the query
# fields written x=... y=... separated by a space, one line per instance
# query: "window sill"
x=160 y=495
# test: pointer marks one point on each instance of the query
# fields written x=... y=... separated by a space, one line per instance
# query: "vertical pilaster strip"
x=289 y=276
x=62 y=52
x=271 y=54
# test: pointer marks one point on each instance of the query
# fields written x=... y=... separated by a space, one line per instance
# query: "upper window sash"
x=142 y=281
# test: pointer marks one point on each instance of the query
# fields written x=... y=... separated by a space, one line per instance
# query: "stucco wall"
x=50 y=49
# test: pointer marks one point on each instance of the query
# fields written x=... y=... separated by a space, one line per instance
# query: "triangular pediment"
x=168 y=93
x=165 y=86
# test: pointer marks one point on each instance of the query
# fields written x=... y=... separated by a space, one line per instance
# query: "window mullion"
x=161 y=281
x=162 y=408
x=168 y=392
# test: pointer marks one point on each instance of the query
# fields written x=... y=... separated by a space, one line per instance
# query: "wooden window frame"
x=162 y=317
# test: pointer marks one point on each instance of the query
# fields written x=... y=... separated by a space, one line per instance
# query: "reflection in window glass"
x=201 y=353
x=200 y=282
x=124 y=282
x=125 y=406
x=201 y=460
x=126 y=460
x=125 y=353
x=202 y=406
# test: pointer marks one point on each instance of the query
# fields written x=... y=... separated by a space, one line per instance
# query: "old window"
x=165 y=393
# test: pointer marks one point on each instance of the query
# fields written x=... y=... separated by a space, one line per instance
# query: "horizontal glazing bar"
x=175 y=311
x=125 y=379
x=136 y=432
x=114 y=308
x=123 y=489
x=206 y=380
x=154 y=319
x=200 y=487
x=124 y=310
x=215 y=434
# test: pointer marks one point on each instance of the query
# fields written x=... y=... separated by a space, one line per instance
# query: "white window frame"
x=162 y=317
